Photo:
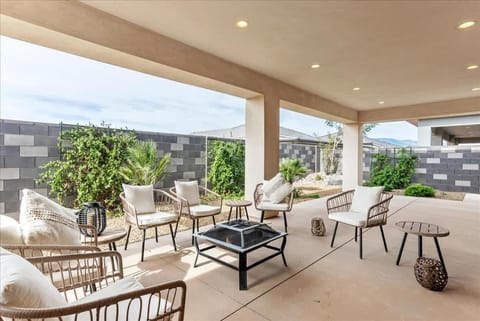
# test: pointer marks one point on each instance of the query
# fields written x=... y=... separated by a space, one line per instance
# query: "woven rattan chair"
x=263 y=205
x=338 y=208
x=90 y=285
x=211 y=205
x=168 y=210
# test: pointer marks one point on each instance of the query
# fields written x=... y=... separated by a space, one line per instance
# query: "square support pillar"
x=352 y=160
x=262 y=140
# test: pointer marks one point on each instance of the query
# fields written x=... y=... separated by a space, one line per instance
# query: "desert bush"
x=419 y=190
x=227 y=170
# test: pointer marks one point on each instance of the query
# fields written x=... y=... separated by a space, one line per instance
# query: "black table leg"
x=282 y=248
x=440 y=254
x=230 y=214
x=242 y=271
x=420 y=246
x=198 y=251
x=246 y=213
x=401 y=248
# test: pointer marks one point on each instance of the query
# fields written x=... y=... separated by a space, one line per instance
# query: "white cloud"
x=42 y=84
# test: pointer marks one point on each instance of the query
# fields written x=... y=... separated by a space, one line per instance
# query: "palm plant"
x=292 y=169
x=142 y=166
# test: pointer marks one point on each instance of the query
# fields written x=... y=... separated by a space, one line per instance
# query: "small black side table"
x=238 y=205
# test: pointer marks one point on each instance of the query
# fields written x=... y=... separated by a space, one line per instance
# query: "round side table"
x=422 y=229
x=110 y=236
x=238 y=205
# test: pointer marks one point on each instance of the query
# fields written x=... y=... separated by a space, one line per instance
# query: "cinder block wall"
x=452 y=168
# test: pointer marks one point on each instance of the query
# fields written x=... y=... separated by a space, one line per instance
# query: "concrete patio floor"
x=323 y=283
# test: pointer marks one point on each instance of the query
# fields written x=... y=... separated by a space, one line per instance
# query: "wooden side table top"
x=111 y=235
x=422 y=229
x=238 y=203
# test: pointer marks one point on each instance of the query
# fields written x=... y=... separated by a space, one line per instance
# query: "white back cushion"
x=45 y=222
x=10 y=231
x=365 y=197
x=188 y=191
x=141 y=197
x=23 y=285
x=280 y=193
x=269 y=187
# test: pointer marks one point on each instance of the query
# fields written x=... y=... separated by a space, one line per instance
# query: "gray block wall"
x=452 y=168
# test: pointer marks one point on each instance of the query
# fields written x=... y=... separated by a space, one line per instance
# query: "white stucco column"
x=352 y=162
x=262 y=141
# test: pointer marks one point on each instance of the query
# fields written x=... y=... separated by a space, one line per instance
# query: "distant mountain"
x=398 y=142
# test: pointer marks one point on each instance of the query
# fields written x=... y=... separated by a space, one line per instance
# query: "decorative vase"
x=318 y=227
x=93 y=213
x=430 y=273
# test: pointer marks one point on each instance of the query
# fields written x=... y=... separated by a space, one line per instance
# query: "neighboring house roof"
x=286 y=135
x=238 y=132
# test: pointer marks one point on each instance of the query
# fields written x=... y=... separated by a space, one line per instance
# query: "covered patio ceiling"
x=408 y=55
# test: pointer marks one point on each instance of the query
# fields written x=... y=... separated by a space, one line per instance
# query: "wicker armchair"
x=263 y=205
x=94 y=287
x=210 y=205
x=338 y=208
x=168 y=210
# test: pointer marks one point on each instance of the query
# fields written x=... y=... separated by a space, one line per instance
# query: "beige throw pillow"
x=188 y=191
x=280 y=193
x=23 y=285
x=365 y=197
x=141 y=197
x=269 y=187
x=10 y=231
x=45 y=222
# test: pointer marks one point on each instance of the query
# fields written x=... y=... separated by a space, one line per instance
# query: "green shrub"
x=419 y=190
x=227 y=170
x=391 y=177
x=90 y=167
x=142 y=166
x=292 y=169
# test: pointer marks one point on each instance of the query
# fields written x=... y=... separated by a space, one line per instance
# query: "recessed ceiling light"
x=315 y=66
x=381 y=102
x=476 y=89
x=242 y=24
x=466 y=24
x=472 y=67
x=356 y=88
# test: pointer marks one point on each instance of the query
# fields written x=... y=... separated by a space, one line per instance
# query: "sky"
x=46 y=85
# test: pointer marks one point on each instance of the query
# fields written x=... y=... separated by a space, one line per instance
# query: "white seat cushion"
x=135 y=311
x=269 y=206
x=45 y=222
x=10 y=231
x=23 y=285
x=156 y=218
x=350 y=218
x=365 y=197
x=188 y=191
x=141 y=197
x=204 y=210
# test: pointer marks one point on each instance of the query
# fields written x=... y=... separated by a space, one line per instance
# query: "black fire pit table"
x=241 y=237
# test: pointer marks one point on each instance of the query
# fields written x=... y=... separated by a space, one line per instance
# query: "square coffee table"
x=241 y=237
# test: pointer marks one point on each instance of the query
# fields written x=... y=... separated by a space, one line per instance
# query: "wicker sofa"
x=95 y=289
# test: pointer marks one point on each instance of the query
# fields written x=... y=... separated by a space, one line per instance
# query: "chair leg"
x=334 y=233
x=383 y=237
x=193 y=229
x=156 y=234
x=356 y=232
x=143 y=243
x=176 y=227
x=214 y=223
x=361 y=243
x=173 y=237
x=128 y=236
x=285 y=222
x=198 y=225
x=261 y=217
